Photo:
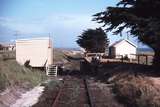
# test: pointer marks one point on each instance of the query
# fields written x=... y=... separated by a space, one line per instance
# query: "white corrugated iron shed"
x=36 y=50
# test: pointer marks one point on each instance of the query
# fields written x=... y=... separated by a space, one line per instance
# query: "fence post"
x=146 y=60
x=122 y=58
x=138 y=58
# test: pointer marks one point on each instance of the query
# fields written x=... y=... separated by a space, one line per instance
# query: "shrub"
x=137 y=91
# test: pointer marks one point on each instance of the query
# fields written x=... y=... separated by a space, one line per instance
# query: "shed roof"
x=120 y=41
x=30 y=39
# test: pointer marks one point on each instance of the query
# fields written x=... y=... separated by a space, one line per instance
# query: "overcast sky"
x=63 y=20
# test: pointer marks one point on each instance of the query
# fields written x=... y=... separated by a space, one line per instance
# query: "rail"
x=88 y=94
x=57 y=97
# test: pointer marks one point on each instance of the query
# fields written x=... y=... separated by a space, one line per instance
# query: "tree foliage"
x=1 y=47
x=140 y=16
x=93 y=40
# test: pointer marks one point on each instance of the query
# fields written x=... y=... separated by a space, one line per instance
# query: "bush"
x=137 y=91
x=126 y=57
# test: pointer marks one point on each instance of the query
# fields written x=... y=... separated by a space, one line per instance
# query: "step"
x=52 y=70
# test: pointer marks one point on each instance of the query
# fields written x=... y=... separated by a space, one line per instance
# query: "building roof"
x=39 y=38
x=120 y=41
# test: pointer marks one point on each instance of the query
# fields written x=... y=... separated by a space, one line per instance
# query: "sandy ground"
x=29 y=98
x=10 y=95
x=156 y=81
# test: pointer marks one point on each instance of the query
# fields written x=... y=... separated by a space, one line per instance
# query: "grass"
x=70 y=61
x=3 y=81
x=13 y=74
x=59 y=55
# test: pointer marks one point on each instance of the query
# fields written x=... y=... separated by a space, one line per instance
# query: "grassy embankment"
x=13 y=74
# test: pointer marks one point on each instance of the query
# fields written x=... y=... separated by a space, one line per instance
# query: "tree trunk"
x=156 y=60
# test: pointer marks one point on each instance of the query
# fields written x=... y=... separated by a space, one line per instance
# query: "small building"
x=37 y=51
x=123 y=48
x=11 y=47
x=1 y=47
x=7 y=47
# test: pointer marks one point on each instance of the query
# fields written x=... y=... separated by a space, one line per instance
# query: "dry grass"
x=69 y=60
x=136 y=91
x=59 y=56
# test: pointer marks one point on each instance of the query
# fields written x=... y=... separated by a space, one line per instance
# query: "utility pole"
x=121 y=33
x=127 y=35
x=50 y=45
x=49 y=39
x=16 y=35
x=49 y=35
x=138 y=43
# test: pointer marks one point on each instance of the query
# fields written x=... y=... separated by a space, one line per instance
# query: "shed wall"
x=36 y=51
x=125 y=49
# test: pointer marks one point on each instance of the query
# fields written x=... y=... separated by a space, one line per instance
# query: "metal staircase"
x=51 y=70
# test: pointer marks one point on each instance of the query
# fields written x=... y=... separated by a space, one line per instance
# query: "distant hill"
x=145 y=50
x=69 y=49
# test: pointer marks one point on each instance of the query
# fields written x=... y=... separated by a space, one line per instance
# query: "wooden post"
x=146 y=60
x=138 y=58
x=122 y=58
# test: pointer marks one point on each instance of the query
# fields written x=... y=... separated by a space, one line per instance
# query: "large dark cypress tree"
x=93 y=40
x=142 y=17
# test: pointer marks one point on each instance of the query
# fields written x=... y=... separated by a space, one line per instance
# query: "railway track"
x=88 y=93
x=74 y=93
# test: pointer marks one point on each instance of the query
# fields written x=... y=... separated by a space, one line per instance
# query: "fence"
x=145 y=59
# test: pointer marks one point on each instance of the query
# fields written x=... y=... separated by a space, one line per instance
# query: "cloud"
x=20 y=25
x=60 y=26
x=40 y=25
